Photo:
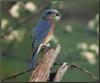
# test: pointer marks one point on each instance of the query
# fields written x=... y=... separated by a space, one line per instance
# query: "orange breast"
x=49 y=35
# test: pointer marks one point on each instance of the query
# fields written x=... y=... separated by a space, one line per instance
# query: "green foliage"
x=94 y=24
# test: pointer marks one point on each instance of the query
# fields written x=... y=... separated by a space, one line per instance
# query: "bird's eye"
x=49 y=12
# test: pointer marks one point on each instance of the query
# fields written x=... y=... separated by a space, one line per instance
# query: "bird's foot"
x=46 y=48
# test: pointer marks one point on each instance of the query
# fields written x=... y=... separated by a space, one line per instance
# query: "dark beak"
x=57 y=14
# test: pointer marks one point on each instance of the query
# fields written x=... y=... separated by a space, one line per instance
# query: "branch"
x=14 y=76
x=42 y=72
x=84 y=70
x=65 y=66
x=61 y=71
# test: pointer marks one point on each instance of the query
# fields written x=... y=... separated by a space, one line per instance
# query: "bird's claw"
x=46 y=48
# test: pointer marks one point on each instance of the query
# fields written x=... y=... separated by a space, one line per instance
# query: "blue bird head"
x=51 y=14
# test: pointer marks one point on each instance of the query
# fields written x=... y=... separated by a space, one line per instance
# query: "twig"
x=84 y=70
x=14 y=76
x=80 y=68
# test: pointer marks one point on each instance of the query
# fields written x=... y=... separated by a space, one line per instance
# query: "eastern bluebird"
x=43 y=32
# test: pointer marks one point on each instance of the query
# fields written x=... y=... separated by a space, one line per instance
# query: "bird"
x=43 y=32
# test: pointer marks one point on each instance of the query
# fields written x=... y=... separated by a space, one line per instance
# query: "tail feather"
x=35 y=55
x=34 y=58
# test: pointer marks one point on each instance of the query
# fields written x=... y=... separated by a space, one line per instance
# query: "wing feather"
x=40 y=33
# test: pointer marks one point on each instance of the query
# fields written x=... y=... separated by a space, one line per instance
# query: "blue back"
x=41 y=31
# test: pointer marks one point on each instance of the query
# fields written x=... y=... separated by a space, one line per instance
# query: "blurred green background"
x=77 y=33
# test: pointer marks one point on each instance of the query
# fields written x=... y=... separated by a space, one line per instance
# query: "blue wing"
x=41 y=32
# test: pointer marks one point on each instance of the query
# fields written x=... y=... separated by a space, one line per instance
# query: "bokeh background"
x=77 y=33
